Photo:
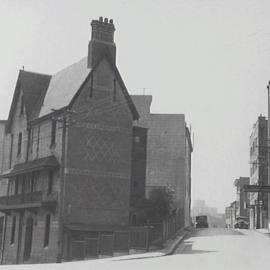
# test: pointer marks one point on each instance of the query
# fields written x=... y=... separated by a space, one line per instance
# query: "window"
x=19 y=144
x=13 y=228
x=50 y=182
x=137 y=139
x=11 y=149
x=28 y=143
x=16 y=188
x=33 y=183
x=114 y=90
x=53 y=132
x=28 y=238
x=21 y=108
x=38 y=135
x=47 y=231
x=91 y=87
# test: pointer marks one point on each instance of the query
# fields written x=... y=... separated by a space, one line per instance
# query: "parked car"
x=241 y=224
x=201 y=222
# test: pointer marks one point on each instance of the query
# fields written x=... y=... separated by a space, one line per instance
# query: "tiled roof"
x=32 y=85
x=63 y=86
x=44 y=93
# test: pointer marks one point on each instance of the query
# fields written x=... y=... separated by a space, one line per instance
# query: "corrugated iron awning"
x=31 y=166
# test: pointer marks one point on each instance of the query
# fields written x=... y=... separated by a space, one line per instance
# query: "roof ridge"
x=36 y=73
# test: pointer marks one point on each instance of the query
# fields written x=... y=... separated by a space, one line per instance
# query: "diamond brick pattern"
x=100 y=149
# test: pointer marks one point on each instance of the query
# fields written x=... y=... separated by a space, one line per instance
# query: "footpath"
x=265 y=232
x=169 y=247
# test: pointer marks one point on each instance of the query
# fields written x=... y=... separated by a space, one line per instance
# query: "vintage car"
x=241 y=223
x=201 y=222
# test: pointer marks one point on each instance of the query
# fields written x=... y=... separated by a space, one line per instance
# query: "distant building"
x=68 y=159
x=259 y=174
x=241 y=197
x=230 y=214
x=169 y=151
x=201 y=208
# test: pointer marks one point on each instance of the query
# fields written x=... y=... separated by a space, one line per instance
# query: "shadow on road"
x=188 y=249
x=139 y=258
x=215 y=232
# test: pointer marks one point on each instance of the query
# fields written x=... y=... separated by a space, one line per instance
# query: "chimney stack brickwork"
x=102 y=41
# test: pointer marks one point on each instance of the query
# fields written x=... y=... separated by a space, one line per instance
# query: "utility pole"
x=64 y=119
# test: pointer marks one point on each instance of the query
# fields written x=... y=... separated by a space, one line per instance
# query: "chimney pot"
x=102 y=41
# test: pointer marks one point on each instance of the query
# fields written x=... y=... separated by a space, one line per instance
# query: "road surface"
x=205 y=249
x=224 y=249
x=213 y=248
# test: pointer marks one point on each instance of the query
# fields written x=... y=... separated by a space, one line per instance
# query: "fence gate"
x=91 y=248
x=77 y=250
x=106 y=244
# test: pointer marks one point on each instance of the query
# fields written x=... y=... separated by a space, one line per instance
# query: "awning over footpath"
x=31 y=166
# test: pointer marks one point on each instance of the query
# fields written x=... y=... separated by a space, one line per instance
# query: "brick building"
x=169 y=151
x=230 y=214
x=259 y=173
x=241 y=197
x=67 y=159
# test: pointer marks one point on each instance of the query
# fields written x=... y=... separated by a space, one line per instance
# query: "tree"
x=158 y=206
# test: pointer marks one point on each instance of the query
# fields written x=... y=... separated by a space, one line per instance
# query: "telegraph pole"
x=64 y=119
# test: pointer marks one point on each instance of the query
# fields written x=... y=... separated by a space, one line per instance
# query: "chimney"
x=102 y=40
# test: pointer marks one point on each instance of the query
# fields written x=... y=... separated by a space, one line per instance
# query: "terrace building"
x=67 y=159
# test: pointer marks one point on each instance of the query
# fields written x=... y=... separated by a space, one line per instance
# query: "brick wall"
x=99 y=153
x=39 y=253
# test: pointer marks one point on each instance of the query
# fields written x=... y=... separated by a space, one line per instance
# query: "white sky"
x=208 y=59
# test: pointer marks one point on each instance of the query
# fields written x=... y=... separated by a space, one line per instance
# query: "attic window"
x=21 y=106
